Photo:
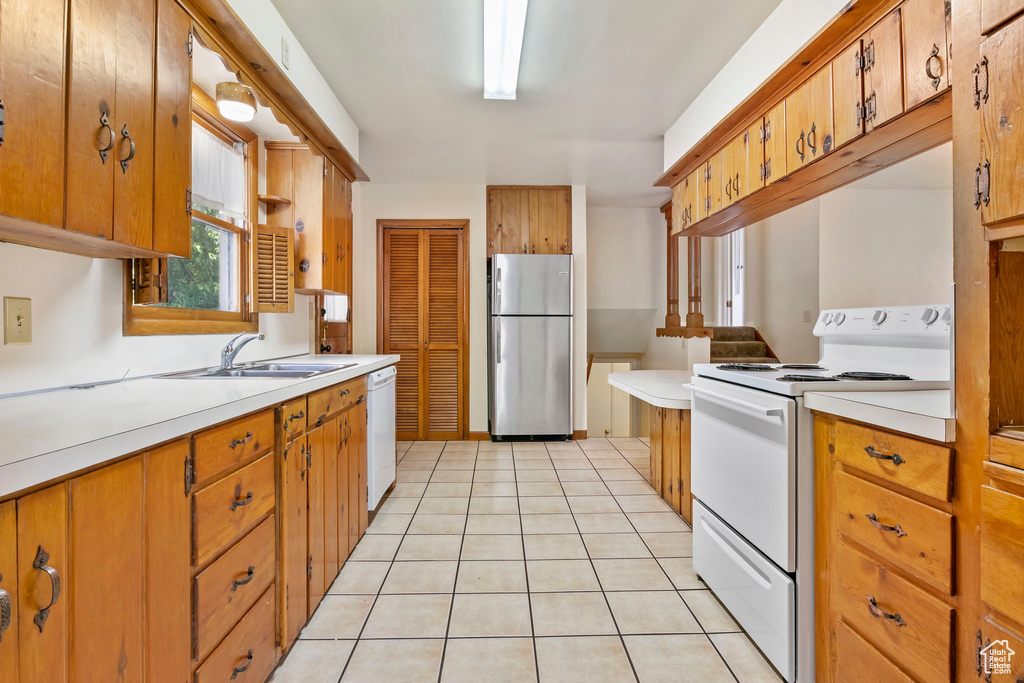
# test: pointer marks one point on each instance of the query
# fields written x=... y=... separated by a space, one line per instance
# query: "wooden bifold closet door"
x=424 y=307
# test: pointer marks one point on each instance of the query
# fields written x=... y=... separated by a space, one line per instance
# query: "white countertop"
x=51 y=435
x=661 y=388
x=927 y=414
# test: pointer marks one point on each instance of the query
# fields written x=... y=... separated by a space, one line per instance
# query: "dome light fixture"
x=235 y=101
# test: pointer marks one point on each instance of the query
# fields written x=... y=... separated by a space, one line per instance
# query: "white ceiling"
x=600 y=81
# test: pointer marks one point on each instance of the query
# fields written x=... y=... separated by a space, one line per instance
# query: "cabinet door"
x=293 y=517
x=753 y=164
x=172 y=131
x=344 y=505
x=307 y=187
x=925 y=50
x=106 y=592
x=550 y=222
x=848 y=93
x=1002 y=552
x=332 y=506
x=352 y=446
x=168 y=562
x=32 y=56
x=731 y=159
x=741 y=165
x=999 y=169
x=316 y=562
x=809 y=120
x=775 y=157
x=709 y=187
x=684 y=203
x=43 y=579
x=359 y=441
x=8 y=593
x=995 y=12
x=883 y=71
x=508 y=215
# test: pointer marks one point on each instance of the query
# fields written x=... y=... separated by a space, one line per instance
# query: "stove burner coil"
x=873 y=376
x=801 y=366
x=747 y=367
x=806 y=378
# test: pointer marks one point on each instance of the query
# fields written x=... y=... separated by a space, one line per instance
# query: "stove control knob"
x=826 y=318
x=838 y=318
x=947 y=316
x=879 y=317
x=929 y=316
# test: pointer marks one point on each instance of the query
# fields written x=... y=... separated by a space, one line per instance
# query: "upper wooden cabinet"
x=809 y=120
x=998 y=76
x=743 y=165
x=32 y=110
x=684 y=203
x=318 y=206
x=848 y=94
x=925 y=49
x=996 y=12
x=774 y=135
x=529 y=220
x=709 y=187
x=883 y=71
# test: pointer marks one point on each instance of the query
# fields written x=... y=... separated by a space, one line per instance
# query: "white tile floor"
x=525 y=562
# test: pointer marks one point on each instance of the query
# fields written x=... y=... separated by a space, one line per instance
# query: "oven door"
x=743 y=459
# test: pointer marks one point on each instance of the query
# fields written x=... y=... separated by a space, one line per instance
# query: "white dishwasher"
x=381 y=448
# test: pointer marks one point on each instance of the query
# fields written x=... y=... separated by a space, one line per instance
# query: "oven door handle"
x=735 y=402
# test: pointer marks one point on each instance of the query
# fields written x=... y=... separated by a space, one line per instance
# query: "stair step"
x=737 y=349
x=750 y=359
x=734 y=334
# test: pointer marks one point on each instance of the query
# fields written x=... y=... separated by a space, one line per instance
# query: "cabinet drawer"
x=230 y=586
x=919 y=466
x=327 y=402
x=906 y=534
x=910 y=627
x=217 y=450
x=857 y=661
x=222 y=511
x=294 y=415
x=1002 y=550
x=248 y=653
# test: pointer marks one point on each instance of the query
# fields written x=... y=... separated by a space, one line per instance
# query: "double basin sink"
x=261 y=371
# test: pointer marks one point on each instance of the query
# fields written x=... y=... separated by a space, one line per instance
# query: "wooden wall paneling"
x=775 y=158
x=995 y=12
x=107 y=542
x=1002 y=149
x=925 y=50
x=809 y=120
x=32 y=67
x=9 y=585
x=133 y=122
x=883 y=70
x=848 y=94
x=43 y=524
x=316 y=560
x=172 y=131
x=168 y=561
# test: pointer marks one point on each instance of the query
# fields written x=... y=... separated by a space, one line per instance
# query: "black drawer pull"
x=885 y=527
x=235 y=443
x=241 y=503
x=298 y=416
x=344 y=393
x=879 y=613
x=237 y=583
x=895 y=457
x=244 y=668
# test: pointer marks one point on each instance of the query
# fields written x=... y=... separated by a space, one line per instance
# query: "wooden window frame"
x=140 y=319
x=447 y=224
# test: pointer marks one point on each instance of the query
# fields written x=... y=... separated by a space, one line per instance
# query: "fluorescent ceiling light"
x=504 y=23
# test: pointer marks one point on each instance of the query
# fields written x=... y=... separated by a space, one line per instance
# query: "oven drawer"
x=912 y=536
x=760 y=596
x=910 y=627
x=919 y=466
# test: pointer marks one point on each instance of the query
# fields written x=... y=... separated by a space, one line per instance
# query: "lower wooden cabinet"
x=670 y=458
x=9 y=602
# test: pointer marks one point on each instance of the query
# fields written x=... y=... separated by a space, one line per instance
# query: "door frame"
x=446 y=224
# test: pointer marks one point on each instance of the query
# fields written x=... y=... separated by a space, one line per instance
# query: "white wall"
x=885 y=247
x=786 y=30
x=457 y=202
x=76 y=326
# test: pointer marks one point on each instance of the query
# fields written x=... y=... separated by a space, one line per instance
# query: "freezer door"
x=531 y=284
x=531 y=366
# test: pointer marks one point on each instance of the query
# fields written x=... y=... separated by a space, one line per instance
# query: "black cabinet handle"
x=897 y=529
x=6 y=611
x=879 y=613
x=800 y=145
x=105 y=125
x=933 y=67
x=3 y=119
x=242 y=669
x=241 y=503
x=239 y=442
x=813 y=145
x=895 y=457
x=40 y=563
x=237 y=583
x=131 y=148
x=297 y=416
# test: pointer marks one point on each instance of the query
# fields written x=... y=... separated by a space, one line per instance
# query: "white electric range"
x=752 y=462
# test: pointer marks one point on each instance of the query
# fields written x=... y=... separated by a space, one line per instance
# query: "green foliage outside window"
x=196 y=282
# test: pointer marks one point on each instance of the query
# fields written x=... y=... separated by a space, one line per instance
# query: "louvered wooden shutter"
x=149 y=280
x=443 y=332
x=273 y=271
x=402 y=324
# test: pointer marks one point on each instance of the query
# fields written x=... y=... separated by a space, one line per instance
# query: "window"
x=209 y=292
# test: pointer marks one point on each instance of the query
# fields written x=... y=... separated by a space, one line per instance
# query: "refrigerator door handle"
x=497 y=290
x=497 y=344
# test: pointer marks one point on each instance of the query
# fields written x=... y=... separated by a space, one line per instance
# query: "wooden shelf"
x=274 y=200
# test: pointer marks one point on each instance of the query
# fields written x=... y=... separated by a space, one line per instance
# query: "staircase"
x=739 y=345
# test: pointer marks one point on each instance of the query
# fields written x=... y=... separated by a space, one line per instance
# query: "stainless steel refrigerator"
x=529 y=305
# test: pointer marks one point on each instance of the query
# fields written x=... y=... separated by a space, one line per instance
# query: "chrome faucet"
x=228 y=353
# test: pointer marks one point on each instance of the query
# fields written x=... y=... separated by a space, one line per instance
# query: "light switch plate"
x=286 y=56
x=17 y=320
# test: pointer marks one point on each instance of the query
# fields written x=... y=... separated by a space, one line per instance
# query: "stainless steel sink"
x=261 y=371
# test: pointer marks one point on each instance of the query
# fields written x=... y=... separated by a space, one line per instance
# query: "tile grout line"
x=526 y=566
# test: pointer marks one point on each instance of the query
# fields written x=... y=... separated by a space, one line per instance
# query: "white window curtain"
x=218 y=173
